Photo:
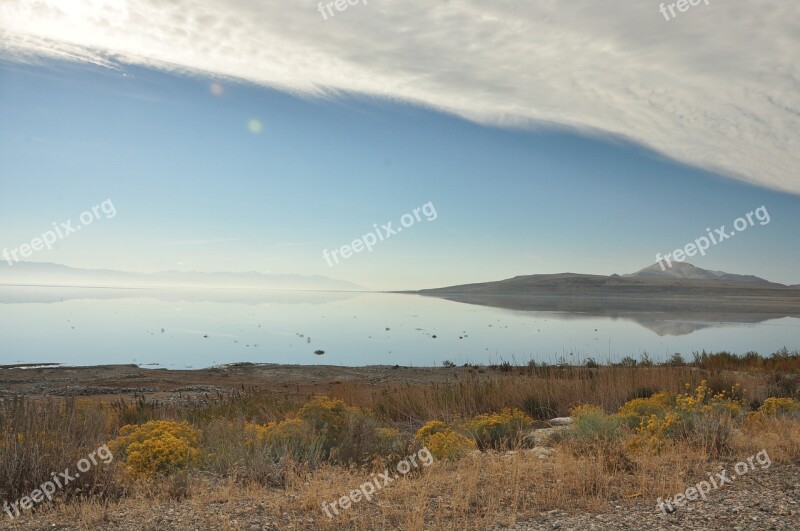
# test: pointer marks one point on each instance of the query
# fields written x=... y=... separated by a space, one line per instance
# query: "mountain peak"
x=685 y=270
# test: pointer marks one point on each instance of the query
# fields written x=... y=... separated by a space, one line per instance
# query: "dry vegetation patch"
x=257 y=458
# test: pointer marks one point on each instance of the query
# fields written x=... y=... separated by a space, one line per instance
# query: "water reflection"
x=200 y=328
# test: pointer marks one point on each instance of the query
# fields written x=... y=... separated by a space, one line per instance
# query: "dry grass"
x=475 y=493
x=486 y=489
x=37 y=438
x=541 y=393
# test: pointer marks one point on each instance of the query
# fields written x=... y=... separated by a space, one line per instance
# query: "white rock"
x=541 y=437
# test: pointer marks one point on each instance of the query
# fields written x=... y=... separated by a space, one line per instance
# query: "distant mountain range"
x=683 y=288
x=47 y=274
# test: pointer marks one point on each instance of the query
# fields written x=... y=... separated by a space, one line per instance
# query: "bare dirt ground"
x=105 y=381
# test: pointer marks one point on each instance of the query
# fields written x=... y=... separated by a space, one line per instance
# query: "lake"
x=196 y=329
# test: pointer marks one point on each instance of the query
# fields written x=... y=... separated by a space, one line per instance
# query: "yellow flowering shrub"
x=327 y=417
x=434 y=426
x=157 y=447
x=288 y=433
x=448 y=444
x=699 y=416
x=654 y=431
x=293 y=437
x=443 y=441
x=775 y=407
x=638 y=410
x=704 y=401
x=494 y=430
x=326 y=428
x=256 y=434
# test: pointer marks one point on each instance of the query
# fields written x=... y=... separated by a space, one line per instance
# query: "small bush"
x=634 y=412
x=289 y=438
x=327 y=428
x=782 y=354
x=157 y=447
x=592 y=426
x=498 y=430
x=391 y=443
x=776 y=407
x=597 y=436
x=676 y=360
x=431 y=428
x=727 y=387
x=449 y=444
x=363 y=440
x=236 y=451
x=701 y=418
x=327 y=417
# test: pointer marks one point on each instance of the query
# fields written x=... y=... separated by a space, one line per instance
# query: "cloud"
x=203 y=242
x=716 y=87
x=297 y=244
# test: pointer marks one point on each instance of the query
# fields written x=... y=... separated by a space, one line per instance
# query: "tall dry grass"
x=40 y=437
x=541 y=393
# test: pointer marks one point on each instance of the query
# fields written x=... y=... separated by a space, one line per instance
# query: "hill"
x=47 y=274
x=688 y=289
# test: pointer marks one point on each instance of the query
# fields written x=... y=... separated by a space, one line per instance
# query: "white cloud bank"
x=717 y=87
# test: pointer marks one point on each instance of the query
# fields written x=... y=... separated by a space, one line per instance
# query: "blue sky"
x=196 y=189
x=549 y=136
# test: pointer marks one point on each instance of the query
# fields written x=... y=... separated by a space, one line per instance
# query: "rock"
x=540 y=452
x=561 y=421
x=541 y=437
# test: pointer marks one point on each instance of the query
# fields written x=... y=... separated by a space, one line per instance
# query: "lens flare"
x=254 y=126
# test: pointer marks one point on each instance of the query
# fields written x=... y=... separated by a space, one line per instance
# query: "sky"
x=254 y=136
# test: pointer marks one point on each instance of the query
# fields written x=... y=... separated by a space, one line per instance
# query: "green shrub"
x=498 y=430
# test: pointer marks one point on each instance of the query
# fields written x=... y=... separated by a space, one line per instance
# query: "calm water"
x=78 y=326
